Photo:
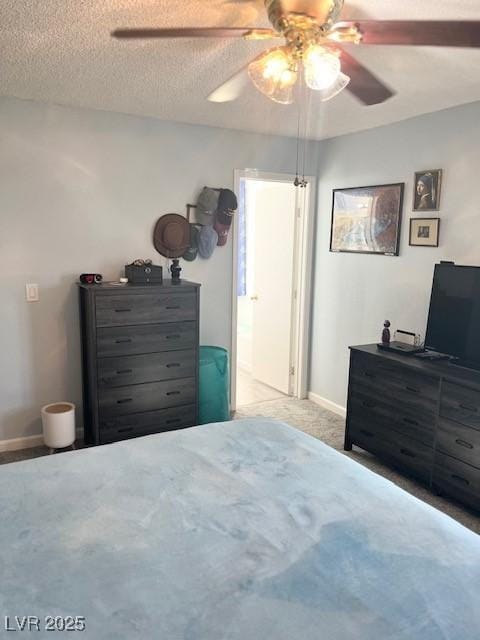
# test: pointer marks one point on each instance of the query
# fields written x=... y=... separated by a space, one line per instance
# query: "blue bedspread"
x=248 y=530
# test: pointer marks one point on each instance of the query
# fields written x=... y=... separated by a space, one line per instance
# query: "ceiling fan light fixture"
x=322 y=67
x=334 y=89
x=275 y=74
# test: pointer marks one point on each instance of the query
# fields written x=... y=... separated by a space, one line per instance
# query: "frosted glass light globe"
x=322 y=67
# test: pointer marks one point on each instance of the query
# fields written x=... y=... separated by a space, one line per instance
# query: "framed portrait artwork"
x=424 y=232
x=367 y=219
x=426 y=192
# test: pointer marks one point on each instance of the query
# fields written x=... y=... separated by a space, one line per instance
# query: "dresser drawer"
x=150 y=367
x=117 y=401
x=118 y=341
x=366 y=433
x=457 y=479
x=145 y=308
x=399 y=393
x=400 y=384
x=410 y=455
x=141 y=424
x=460 y=404
x=459 y=441
x=407 y=420
x=379 y=367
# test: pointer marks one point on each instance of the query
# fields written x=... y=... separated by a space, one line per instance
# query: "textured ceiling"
x=60 y=51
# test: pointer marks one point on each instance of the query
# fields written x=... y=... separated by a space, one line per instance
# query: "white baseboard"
x=27 y=442
x=15 y=444
x=244 y=366
x=327 y=404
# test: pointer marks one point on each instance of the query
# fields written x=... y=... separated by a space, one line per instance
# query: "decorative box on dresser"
x=421 y=417
x=140 y=358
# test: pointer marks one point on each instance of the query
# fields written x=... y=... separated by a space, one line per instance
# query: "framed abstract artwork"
x=367 y=219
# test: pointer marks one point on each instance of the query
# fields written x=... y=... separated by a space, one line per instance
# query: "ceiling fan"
x=312 y=54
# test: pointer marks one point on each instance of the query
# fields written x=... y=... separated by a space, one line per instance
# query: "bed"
x=236 y=531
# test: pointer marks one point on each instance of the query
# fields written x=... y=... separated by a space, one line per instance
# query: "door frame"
x=302 y=289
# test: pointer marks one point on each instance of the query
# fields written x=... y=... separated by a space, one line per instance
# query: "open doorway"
x=271 y=288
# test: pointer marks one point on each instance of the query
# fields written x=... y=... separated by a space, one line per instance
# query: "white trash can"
x=58 y=421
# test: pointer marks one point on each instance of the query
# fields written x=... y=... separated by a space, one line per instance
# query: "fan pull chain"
x=301 y=182
x=296 y=182
x=305 y=128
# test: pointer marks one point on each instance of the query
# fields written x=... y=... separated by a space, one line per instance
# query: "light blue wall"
x=355 y=293
x=80 y=190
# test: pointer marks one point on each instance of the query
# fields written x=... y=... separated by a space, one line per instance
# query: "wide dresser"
x=140 y=355
x=421 y=417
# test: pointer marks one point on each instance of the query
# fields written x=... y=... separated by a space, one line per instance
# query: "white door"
x=271 y=210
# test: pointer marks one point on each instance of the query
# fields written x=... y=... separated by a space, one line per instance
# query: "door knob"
x=253 y=297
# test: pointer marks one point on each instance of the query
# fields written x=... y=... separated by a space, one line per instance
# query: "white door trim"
x=303 y=260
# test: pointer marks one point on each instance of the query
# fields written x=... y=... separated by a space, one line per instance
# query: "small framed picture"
x=424 y=232
x=427 y=187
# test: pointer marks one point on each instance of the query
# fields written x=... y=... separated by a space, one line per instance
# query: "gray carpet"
x=329 y=428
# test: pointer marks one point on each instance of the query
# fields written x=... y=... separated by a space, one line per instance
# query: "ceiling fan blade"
x=363 y=84
x=438 y=33
x=232 y=88
x=204 y=32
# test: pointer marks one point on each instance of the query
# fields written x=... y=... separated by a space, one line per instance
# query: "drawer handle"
x=125 y=430
x=369 y=374
x=124 y=400
x=366 y=433
x=469 y=408
x=410 y=421
x=173 y=393
x=412 y=389
x=175 y=336
x=122 y=310
x=173 y=307
x=463 y=443
x=123 y=340
x=122 y=371
x=369 y=405
x=408 y=453
x=172 y=421
x=459 y=479
x=173 y=364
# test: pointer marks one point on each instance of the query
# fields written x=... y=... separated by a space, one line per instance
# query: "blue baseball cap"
x=207 y=241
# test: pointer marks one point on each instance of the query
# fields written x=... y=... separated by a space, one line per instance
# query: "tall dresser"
x=139 y=358
x=421 y=417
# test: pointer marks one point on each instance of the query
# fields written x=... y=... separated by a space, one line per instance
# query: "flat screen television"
x=453 y=324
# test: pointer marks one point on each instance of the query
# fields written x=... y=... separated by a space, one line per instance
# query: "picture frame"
x=367 y=219
x=424 y=232
x=427 y=189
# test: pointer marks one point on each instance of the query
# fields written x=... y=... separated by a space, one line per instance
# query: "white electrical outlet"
x=31 y=292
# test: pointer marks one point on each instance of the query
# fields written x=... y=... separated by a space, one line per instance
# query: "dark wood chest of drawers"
x=421 y=417
x=140 y=359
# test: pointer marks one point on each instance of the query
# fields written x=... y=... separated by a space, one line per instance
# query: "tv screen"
x=454 y=316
